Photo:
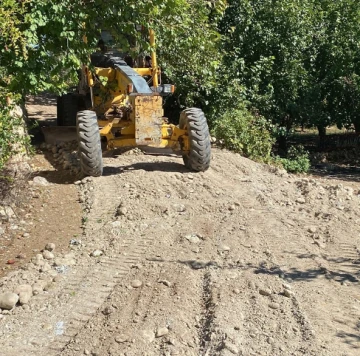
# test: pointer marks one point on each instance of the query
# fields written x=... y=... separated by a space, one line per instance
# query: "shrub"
x=243 y=132
x=297 y=160
x=12 y=137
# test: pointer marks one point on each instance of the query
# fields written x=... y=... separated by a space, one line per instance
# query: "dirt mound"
x=243 y=259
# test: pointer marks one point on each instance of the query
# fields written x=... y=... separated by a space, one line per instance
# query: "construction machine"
x=119 y=103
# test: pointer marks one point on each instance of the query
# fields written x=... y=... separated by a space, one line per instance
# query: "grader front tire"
x=89 y=143
x=199 y=155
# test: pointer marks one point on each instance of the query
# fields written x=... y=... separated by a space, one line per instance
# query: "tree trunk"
x=282 y=141
x=357 y=126
x=322 y=131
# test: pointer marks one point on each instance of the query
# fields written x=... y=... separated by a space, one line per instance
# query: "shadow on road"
x=157 y=166
x=59 y=175
x=351 y=339
x=291 y=273
x=333 y=171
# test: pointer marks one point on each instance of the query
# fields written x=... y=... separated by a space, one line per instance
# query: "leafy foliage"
x=294 y=62
x=42 y=42
x=265 y=45
x=245 y=133
x=291 y=55
x=346 y=102
x=297 y=160
x=12 y=139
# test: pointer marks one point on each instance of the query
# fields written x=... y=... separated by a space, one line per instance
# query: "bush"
x=241 y=131
x=297 y=160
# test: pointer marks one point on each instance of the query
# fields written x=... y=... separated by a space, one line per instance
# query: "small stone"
x=287 y=286
x=48 y=255
x=312 y=229
x=40 y=181
x=25 y=293
x=121 y=339
x=223 y=248
x=47 y=326
x=8 y=300
x=162 y=332
x=251 y=285
x=320 y=244
x=136 y=283
x=122 y=211
x=236 y=291
x=301 y=200
x=39 y=286
x=288 y=293
x=107 y=310
x=230 y=347
x=266 y=292
x=194 y=239
x=274 y=305
x=116 y=223
x=148 y=335
x=96 y=253
x=180 y=208
x=232 y=207
x=45 y=268
x=50 y=247
x=165 y=282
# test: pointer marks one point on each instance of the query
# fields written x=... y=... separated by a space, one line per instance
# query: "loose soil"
x=243 y=259
x=44 y=213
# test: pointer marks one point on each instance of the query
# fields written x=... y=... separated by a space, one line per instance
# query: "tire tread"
x=199 y=157
x=89 y=143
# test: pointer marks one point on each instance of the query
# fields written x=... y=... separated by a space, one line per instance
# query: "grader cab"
x=119 y=103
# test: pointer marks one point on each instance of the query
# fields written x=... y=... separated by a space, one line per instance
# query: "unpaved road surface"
x=239 y=260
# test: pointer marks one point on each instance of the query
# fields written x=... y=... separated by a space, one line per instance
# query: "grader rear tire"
x=89 y=143
x=67 y=107
x=198 y=158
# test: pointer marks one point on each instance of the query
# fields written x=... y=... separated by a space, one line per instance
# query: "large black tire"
x=67 y=108
x=198 y=158
x=89 y=143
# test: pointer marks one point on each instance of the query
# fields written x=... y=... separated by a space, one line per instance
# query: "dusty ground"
x=239 y=260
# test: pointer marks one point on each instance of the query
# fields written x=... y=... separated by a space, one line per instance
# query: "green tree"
x=265 y=44
x=290 y=57
x=42 y=46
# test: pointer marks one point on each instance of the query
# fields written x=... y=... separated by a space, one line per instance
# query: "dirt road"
x=238 y=260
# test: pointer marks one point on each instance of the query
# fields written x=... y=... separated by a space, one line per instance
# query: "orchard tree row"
x=259 y=66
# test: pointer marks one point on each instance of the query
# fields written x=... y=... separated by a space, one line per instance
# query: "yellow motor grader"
x=121 y=105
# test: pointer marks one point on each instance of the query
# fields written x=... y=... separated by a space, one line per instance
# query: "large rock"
x=8 y=300
x=40 y=181
x=50 y=247
x=25 y=293
x=48 y=255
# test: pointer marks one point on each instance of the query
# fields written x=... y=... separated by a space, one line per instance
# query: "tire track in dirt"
x=87 y=288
